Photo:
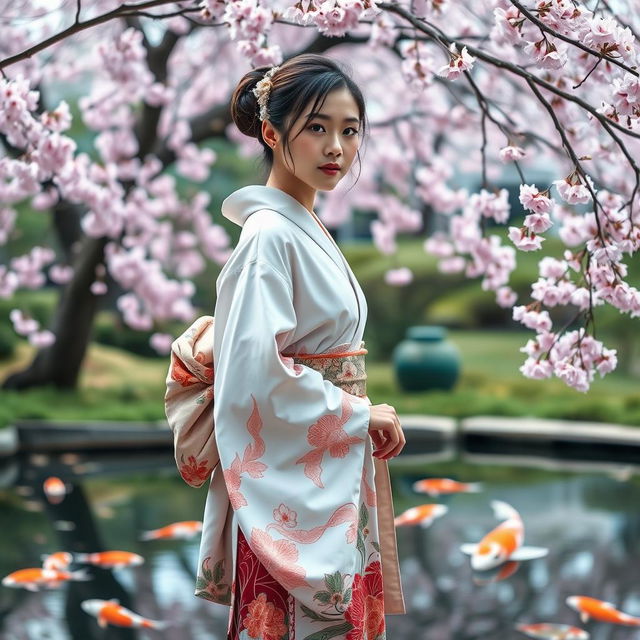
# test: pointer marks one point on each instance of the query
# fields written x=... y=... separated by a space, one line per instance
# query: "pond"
x=586 y=514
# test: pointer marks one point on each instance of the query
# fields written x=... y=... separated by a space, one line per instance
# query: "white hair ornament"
x=262 y=90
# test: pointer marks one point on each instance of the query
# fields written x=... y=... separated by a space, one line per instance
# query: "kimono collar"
x=238 y=206
x=242 y=203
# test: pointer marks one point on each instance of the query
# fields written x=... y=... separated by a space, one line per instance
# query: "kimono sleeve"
x=291 y=444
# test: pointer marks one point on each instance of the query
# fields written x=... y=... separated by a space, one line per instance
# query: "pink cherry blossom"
x=98 y=288
x=536 y=320
x=547 y=54
x=490 y=205
x=532 y=200
x=511 y=153
x=438 y=246
x=23 y=323
x=537 y=369
x=456 y=264
x=9 y=282
x=42 y=339
x=60 y=273
x=399 y=277
x=572 y=193
x=573 y=376
x=551 y=267
x=528 y=242
x=607 y=361
x=459 y=63
x=537 y=222
x=506 y=297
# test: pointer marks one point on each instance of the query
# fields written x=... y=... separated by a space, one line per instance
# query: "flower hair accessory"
x=262 y=89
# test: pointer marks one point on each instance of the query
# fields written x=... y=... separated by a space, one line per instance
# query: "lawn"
x=116 y=385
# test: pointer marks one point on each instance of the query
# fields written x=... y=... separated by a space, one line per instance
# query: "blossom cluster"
x=442 y=113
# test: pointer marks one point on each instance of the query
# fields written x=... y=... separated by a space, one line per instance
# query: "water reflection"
x=586 y=516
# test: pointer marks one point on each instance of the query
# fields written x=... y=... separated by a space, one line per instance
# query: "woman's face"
x=331 y=136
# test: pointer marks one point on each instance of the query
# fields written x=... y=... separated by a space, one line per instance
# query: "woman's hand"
x=385 y=431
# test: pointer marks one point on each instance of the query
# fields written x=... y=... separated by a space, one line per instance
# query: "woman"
x=298 y=535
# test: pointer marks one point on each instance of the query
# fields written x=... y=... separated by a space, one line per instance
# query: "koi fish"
x=54 y=489
x=550 y=631
x=439 y=486
x=110 y=559
x=176 y=531
x=110 y=612
x=601 y=611
x=34 y=578
x=423 y=514
x=502 y=543
x=59 y=560
x=496 y=574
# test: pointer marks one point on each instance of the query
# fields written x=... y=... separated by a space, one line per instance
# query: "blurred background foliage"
x=123 y=377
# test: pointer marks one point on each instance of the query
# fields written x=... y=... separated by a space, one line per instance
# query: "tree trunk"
x=60 y=364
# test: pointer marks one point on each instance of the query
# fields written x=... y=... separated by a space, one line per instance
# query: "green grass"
x=116 y=385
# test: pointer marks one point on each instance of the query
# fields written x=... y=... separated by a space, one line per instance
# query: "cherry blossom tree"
x=453 y=89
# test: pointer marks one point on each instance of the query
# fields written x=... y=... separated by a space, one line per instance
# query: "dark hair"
x=304 y=77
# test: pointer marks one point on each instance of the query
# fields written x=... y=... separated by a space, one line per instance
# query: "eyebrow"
x=323 y=116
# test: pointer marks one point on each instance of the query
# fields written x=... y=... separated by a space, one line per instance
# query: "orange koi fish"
x=110 y=559
x=601 y=611
x=496 y=574
x=550 y=631
x=59 y=560
x=33 y=579
x=423 y=515
x=54 y=489
x=439 y=486
x=110 y=612
x=502 y=543
x=176 y=531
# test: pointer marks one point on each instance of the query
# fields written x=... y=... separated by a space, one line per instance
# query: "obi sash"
x=345 y=369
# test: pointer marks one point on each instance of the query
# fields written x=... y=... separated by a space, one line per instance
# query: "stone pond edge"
x=43 y=435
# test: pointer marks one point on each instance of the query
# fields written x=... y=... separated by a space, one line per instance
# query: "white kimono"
x=295 y=453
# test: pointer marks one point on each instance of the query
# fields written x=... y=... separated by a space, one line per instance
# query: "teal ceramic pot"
x=425 y=360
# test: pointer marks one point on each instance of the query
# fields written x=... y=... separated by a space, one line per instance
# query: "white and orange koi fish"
x=33 y=579
x=550 y=631
x=423 y=515
x=54 y=489
x=176 y=531
x=439 y=486
x=502 y=572
x=600 y=610
x=110 y=612
x=502 y=543
x=59 y=560
x=110 y=559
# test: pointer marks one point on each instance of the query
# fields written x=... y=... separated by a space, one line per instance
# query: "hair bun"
x=244 y=104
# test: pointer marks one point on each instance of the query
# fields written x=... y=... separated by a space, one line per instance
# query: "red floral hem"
x=262 y=608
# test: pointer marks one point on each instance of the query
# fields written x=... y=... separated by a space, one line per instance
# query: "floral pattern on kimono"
x=285 y=434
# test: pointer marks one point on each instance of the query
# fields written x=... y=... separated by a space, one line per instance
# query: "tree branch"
x=77 y=27
x=543 y=27
x=436 y=34
x=571 y=153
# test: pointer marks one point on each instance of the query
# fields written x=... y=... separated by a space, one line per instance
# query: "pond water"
x=587 y=514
